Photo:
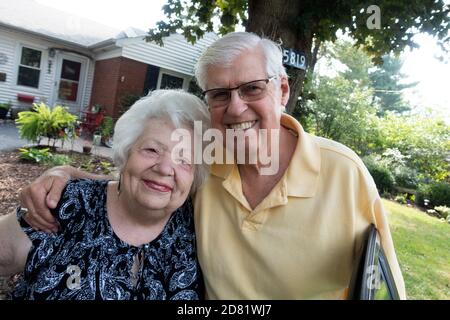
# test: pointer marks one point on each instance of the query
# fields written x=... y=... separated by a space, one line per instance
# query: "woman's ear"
x=284 y=86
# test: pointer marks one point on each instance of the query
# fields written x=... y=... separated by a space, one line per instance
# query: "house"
x=47 y=55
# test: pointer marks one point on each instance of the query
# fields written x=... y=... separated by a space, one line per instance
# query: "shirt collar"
x=303 y=171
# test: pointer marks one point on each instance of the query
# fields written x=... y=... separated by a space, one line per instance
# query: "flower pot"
x=87 y=149
x=96 y=139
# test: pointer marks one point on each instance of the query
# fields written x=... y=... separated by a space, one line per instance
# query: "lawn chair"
x=90 y=121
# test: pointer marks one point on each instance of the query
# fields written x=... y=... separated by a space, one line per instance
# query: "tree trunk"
x=278 y=20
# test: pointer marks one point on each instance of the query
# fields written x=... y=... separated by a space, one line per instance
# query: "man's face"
x=238 y=114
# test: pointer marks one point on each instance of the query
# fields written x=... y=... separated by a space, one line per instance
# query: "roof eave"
x=45 y=36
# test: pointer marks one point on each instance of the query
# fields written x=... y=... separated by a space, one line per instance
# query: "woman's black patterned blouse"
x=86 y=260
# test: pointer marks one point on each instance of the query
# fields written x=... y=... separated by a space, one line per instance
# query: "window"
x=170 y=82
x=70 y=77
x=29 y=68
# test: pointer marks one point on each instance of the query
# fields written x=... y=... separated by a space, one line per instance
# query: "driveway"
x=9 y=136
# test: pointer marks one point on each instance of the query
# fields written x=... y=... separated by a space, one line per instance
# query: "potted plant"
x=96 y=138
x=107 y=130
x=87 y=148
x=4 y=108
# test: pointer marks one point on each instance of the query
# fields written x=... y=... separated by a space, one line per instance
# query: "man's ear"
x=284 y=86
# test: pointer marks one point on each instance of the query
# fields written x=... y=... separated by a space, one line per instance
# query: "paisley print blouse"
x=86 y=260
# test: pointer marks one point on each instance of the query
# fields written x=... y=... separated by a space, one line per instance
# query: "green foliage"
x=401 y=198
x=4 y=108
x=58 y=160
x=44 y=156
x=35 y=155
x=198 y=17
x=387 y=89
x=400 y=21
x=443 y=211
x=106 y=127
x=437 y=193
x=127 y=100
x=5 y=105
x=341 y=111
x=302 y=24
x=426 y=141
x=440 y=194
x=106 y=167
x=413 y=148
x=422 y=195
x=45 y=122
x=421 y=244
x=383 y=177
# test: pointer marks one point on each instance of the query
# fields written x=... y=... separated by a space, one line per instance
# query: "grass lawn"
x=422 y=244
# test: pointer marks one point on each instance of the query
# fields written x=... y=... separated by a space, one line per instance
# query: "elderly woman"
x=127 y=239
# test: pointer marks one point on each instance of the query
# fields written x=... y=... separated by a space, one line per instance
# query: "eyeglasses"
x=249 y=91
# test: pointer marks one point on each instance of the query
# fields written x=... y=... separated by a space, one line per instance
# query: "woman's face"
x=152 y=177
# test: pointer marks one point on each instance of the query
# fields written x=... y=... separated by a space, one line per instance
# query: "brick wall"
x=115 y=78
x=131 y=81
x=106 y=79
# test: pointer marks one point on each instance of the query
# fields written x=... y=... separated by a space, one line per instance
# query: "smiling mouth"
x=157 y=186
x=241 y=126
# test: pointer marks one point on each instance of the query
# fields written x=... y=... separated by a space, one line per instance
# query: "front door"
x=70 y=82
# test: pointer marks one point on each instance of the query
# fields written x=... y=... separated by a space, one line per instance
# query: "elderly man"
x=292 y=234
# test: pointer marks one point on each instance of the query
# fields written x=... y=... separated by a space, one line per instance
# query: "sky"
x=420 y=64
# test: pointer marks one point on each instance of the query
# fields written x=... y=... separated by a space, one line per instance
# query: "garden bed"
x=15 y=174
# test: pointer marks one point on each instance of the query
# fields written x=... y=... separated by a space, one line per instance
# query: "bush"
x=401 y=198
x=383 y=177
x=444 y=211
x=45 y=122
x=107 y=127
x=406 y=177
x=35 y=155
x=438 y=194
x=43 y=156
x=4 y=108
x=127 y=100
x=58 y=160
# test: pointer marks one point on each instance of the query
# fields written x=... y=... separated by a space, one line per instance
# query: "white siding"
x=88 y=85
x=177 y=54
x=108 y=54
x=10 y=47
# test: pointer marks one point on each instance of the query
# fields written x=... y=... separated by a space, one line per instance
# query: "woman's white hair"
x=226 y=49
x=178 y=106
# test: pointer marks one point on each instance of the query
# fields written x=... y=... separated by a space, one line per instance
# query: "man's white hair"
x=177 y=106
x=226 y=49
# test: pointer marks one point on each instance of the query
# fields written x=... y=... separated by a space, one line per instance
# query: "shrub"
x=401 y=199
x=127 y=100
x=406 y=177
x=34 y=154
x=58 y=160
x=438 y=194
x=423 y=193
x=383 y=177
x=4 y=108
x=106 y=127
x=444 y=211
x=44 y=122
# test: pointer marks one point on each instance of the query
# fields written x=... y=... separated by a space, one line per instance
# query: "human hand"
x=42 y=195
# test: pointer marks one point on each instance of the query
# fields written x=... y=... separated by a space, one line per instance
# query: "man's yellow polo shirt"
x=301 y=241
